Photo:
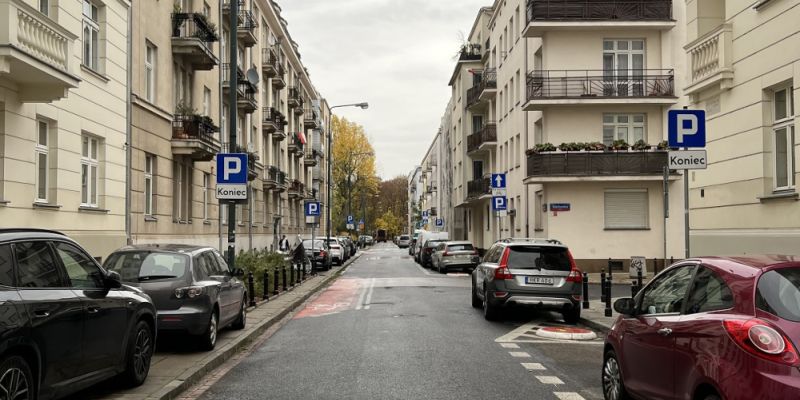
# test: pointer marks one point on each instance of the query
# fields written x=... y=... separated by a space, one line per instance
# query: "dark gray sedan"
x=528 y=272
x=192 y=287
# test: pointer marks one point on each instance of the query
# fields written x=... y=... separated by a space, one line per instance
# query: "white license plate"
x=538 y=280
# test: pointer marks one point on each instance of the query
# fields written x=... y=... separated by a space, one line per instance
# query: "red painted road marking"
x=337 y=298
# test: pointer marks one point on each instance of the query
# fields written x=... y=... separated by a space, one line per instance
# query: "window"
x=627 y=127
x=89 y=168
x=91 y=33
x=779 y=293
x=182 y=192
x=81 y=270
x=709 y=293
x=36 y=266
x=206 y=101
x=517 y=89
x=150 y=72
x=626 y=209
x=182 y=85
x=665 y=296
x=149 y=177
x=42 y=161
x=623 y=67
x=206 y=188
x=6 y=266
x=223 y=213
x=206 y=9
x=783 y=141
x=44 y=7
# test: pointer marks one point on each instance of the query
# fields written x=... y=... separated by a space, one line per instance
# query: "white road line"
x=363 y=292
x=568 y=396
x=424 y=271
x=368 y=301
x=550 y=380
x=533 y=366
x=519 y=354
x=509 y=345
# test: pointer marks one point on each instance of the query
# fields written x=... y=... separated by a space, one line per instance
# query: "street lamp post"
x=363 y=106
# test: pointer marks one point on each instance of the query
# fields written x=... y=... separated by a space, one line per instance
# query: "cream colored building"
x=744 y=59
x=538 y=72
x=63 y=118
x=181 y=119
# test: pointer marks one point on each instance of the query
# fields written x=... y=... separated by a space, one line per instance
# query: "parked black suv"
x=65 y=322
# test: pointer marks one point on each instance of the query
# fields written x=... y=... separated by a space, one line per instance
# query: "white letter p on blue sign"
x=232 y=166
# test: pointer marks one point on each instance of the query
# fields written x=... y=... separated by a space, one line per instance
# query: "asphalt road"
x=389 y=329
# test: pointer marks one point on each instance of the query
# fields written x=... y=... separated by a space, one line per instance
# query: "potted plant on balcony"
x=641 y=145
x=620 y=144
x=543 y=147
x=663 y=145
x=595 y=146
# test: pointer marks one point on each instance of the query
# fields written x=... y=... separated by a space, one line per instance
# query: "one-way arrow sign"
x=498 y=181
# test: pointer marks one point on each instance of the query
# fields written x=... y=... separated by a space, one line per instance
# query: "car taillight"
x=323 y=254
x=189 y=292
x=445 y=254
x=575 y=274
x=759 y=338
x=502 y=272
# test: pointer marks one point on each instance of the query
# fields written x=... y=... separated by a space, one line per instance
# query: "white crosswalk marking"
x=568 y=396
x=509 y=345
x=550 y=380
x=534 y=366
x=519 y=354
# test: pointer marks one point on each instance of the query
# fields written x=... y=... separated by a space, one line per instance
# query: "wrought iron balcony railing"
x=606 y=163
x=600 y=83
x=487 y=134
x=487 y=80
x=478 y=187
x=599 y=10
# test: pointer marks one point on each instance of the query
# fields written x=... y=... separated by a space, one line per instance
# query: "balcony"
x=596 y=166
x=312 y=158
x=275 y=179
x=271 y=120
x=193 y=135
x=470 y=52
x=711 y=61
x=296 y=189
x=311 y=118
x=295 y=146
x=560 y=15
x=246 y=99
x=483 y=140
x=269 y=62
x=246 y=28
x=599 y=87
x=35 y=54
x=279 y=80
x=192 y=38
x=484 y=90
x=226 y=77
x=252 y=166
x=478 y=189
x=295 y=101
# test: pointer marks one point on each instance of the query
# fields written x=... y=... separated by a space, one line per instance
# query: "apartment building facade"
x=744 y=71
x=63 y=118
x=182 y=119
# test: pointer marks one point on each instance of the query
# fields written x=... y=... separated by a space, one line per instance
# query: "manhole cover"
x=564 y=332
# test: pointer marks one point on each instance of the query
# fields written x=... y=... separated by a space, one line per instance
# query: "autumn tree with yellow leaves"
x=354 y=178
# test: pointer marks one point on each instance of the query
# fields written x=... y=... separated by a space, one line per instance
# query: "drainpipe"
x=128 y=133
x=525 y=171
x=221 y=134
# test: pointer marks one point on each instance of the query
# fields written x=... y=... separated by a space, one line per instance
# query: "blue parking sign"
x=499 y=203
x=439 y=222
x=312 y=209
x=232 y=168
x=686 y=128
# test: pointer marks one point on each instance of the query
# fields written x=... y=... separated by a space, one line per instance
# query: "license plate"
x=538 y=280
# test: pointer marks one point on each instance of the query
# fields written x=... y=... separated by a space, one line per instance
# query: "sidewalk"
x=594 y=316
x=175 y=370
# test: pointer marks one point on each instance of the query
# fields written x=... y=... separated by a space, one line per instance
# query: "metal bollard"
x=639 y=279
x=283 y=277
x=585 y=290
x=610 y=269
x=634 y=289
x=671 y=260
x=655 y=266
x=251 y=287
x=602 y=285
x=608 y=297
x=275 y=282
x=266 y=285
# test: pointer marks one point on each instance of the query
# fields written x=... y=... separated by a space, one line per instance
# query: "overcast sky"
x=395 y=54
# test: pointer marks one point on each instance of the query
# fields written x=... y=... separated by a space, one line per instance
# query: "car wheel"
x=476 y=301
x=140 y=351
x=209 y=338
x=16 y=379
x=573 y=315
x=490 y=312
x=241 y=320
x=711 y=397
x=613 y=387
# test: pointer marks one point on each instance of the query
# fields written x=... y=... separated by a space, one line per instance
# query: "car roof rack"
x=531 y=240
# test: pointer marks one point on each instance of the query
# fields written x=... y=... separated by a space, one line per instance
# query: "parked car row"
x=365 y=240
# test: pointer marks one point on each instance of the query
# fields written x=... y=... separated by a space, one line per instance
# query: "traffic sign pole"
x=233 y=82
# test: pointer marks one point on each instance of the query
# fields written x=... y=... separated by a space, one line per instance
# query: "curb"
x=602 y=328
x=177 y=386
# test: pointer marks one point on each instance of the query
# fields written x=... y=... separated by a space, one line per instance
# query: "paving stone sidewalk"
x=177 y=368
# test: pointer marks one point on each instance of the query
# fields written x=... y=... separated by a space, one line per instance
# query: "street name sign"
x=688 y=159
x=231 y=176
x=686 y=128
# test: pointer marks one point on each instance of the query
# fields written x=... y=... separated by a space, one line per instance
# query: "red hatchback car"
x=709 y=329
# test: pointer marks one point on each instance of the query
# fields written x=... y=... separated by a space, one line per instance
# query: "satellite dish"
x=252 y=76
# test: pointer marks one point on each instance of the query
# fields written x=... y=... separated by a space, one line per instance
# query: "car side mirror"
x=113 y=280
x=625 y=306
x=238 y=272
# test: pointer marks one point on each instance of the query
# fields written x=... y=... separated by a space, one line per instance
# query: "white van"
x=423 y=237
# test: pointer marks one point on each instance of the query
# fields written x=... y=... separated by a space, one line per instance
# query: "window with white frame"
x=783 y=139
x=266 y=195
x=149 y=184
x=623 y=67
x=42 y=151
x=44 y=7
x=90 y=166
x=627 y=127
x=206 y=9
x=182 y=192
x=206 y=189
x=626 y=209
x=223 y=213
x=150 y=72
x=91 y=35
x=206 y=101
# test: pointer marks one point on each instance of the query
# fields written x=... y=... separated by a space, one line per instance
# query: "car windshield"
x=534 y=257
x=459 y=247
x=404 y=237
x=433 y=243
x=308 y=244
x=778 y=293
x=140 y=266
